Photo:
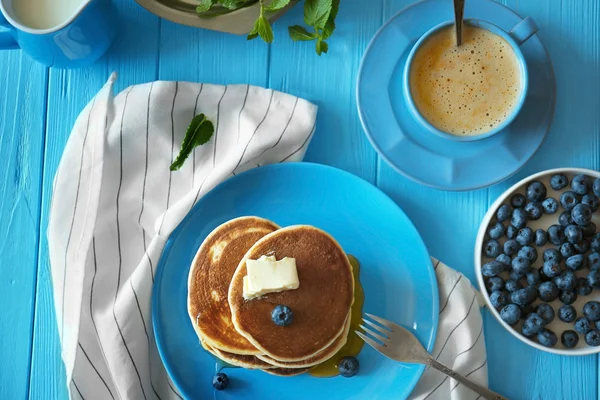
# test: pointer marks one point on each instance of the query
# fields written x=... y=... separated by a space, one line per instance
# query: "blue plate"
x=422 y=156
x=396 y=273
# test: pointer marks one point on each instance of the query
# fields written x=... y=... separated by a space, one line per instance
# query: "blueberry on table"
x=511 y=232
x=565 y=219
x=552 y=254
x=569 y=339
x=511 y=285
x=543 y=276
x=581 y=214
x=591 y=310
x=566 y=250
x=533 y=277
x=568 y=281
x=516 y=275
x=550 y=205
x=556 y=235
x=529 y=253
x=548 y=291
x=593 y=260
x=521 y=265
x=533 y=324
x=559 y=181
x=510 y=314
x=589 y=230
x=494 y=283
x=576 y=262
x=581 y=184
x=595 y=242
x=505 y=260
x=547 y=338
x=573 y=233
x=540 y=237
x=493 y=268
x=220 y=381
x=551 y=268
x=496 y=231
x=583 y=325
x=534 y=211
x=596 y=187
x=568 y=200
x=492 y=248
x=498 y=299
x=525 y=236
x=536 y=191
x=568 y=297
x=583 y=288
x=545 y=311
x=348 y=367
x=518 y=218
x=567 y=313
x=282 y=315
x=582 y=247
x=511 y=247
x=593 y=279
x=592 y=201
x=592 y=338
x=524 y=296
x=517 y=200
x=503 y=213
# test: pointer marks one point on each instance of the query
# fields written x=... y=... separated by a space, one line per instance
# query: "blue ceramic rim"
x=167 y=249
x=522 y=69
x=19 y=26
x=399 y=170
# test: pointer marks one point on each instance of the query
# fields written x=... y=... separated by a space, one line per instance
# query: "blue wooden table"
x=38 y=107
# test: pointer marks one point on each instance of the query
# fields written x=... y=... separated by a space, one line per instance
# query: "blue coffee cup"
x=515 y=38
x=76 y=42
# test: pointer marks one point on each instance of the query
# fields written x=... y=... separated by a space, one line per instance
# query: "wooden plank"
x=22 y=119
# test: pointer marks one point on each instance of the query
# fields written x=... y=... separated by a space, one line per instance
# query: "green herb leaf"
x=198 y=133
x=330 y=24
x=322 y=47
x=262 y=28
x=316 y=12
x=299 y=33
x=235 y=4
x=276 y=5
x=205 y=5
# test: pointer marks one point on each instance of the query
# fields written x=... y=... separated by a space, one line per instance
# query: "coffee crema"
x=466 y=90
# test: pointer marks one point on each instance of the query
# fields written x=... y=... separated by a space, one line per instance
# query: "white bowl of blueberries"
x=537 y=261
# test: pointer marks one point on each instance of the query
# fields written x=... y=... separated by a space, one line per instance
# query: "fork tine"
x=377 y=336
x=383 y=322
x=370 y=342
x=384 y=331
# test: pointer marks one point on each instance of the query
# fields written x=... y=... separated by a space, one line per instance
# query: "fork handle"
x=485 y=392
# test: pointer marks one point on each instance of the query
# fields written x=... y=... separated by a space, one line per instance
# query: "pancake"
x=209 y=279
x=286 y=371
x=320 y=305
x=317 y=359
x=237 y=360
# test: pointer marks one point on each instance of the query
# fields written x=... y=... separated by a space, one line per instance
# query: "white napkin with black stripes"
x=115 y=203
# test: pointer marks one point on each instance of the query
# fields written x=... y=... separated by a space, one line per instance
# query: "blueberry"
x=498 y=299
x=524 y=296
x=592 y=201
x=566 y=250
x=593 y=279
x=493 y=268
x=582 y=247
x=348 y=367
x=534 y=211
x=533 y=324
x=543 y=276
x=515 y=276
x=525 y=236
x=569 y=339
x=496 y=231
x=581 y=214
x=536 y=191
x=591 y=310
x=550 y=205
x=540 y=237
x=521 y=265
x=545 y=311
x=589 y=230
x=583 y=325
x=581 y=184
x=511 y=232
x=533 y=277
x=518 y=218
x=592 y=338
x=529 y=253
x=503 y=213
x=526 y=310
x=552 y=254
x=504 y=260
x=567 y=313
x=510 y=314
x=220 y=381
x=595 y=243
x=583 y=288
x=596 y=187
x=492 y=248
x=565 y=219
x=593 y=260
x=511 y=285
x=517 y=200
x=556 y=235
x=551 y=268
x=573 y=234
x=558 y=181
x=568 y=297
x=511 y=247
x=494 y=283
x=568 y=281
x=547 y=338
x=568 y=200
x=548 y=291
x=282 y=315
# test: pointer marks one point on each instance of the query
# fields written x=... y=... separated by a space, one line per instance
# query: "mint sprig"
x=198 y=133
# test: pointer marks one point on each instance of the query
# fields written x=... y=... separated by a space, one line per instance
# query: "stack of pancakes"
x=241 y=332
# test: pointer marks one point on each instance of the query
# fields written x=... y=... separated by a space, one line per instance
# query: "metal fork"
x=399 y=344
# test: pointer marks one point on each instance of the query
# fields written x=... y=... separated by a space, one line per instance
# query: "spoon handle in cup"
x=459 y=10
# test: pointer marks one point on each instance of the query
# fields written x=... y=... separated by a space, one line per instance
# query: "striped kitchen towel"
x=115 y=202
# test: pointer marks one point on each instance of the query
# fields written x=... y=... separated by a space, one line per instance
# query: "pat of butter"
x=267 y=275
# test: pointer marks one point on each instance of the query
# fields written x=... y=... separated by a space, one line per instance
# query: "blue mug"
x=76 y=42
x=516 y=37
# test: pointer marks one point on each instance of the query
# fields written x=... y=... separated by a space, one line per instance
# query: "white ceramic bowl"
x=557 y=326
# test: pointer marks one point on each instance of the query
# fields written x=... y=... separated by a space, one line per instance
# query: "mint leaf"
x=205 y=5
x=330 y=24
x=262 y=28
x=316 y=12
x=322 y=47
x=235 y=4
x=299 y=33
x=277 y=5
x=198 y=133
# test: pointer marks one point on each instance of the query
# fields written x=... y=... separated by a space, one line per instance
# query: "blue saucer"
x=417 y=153
x=396 y=273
